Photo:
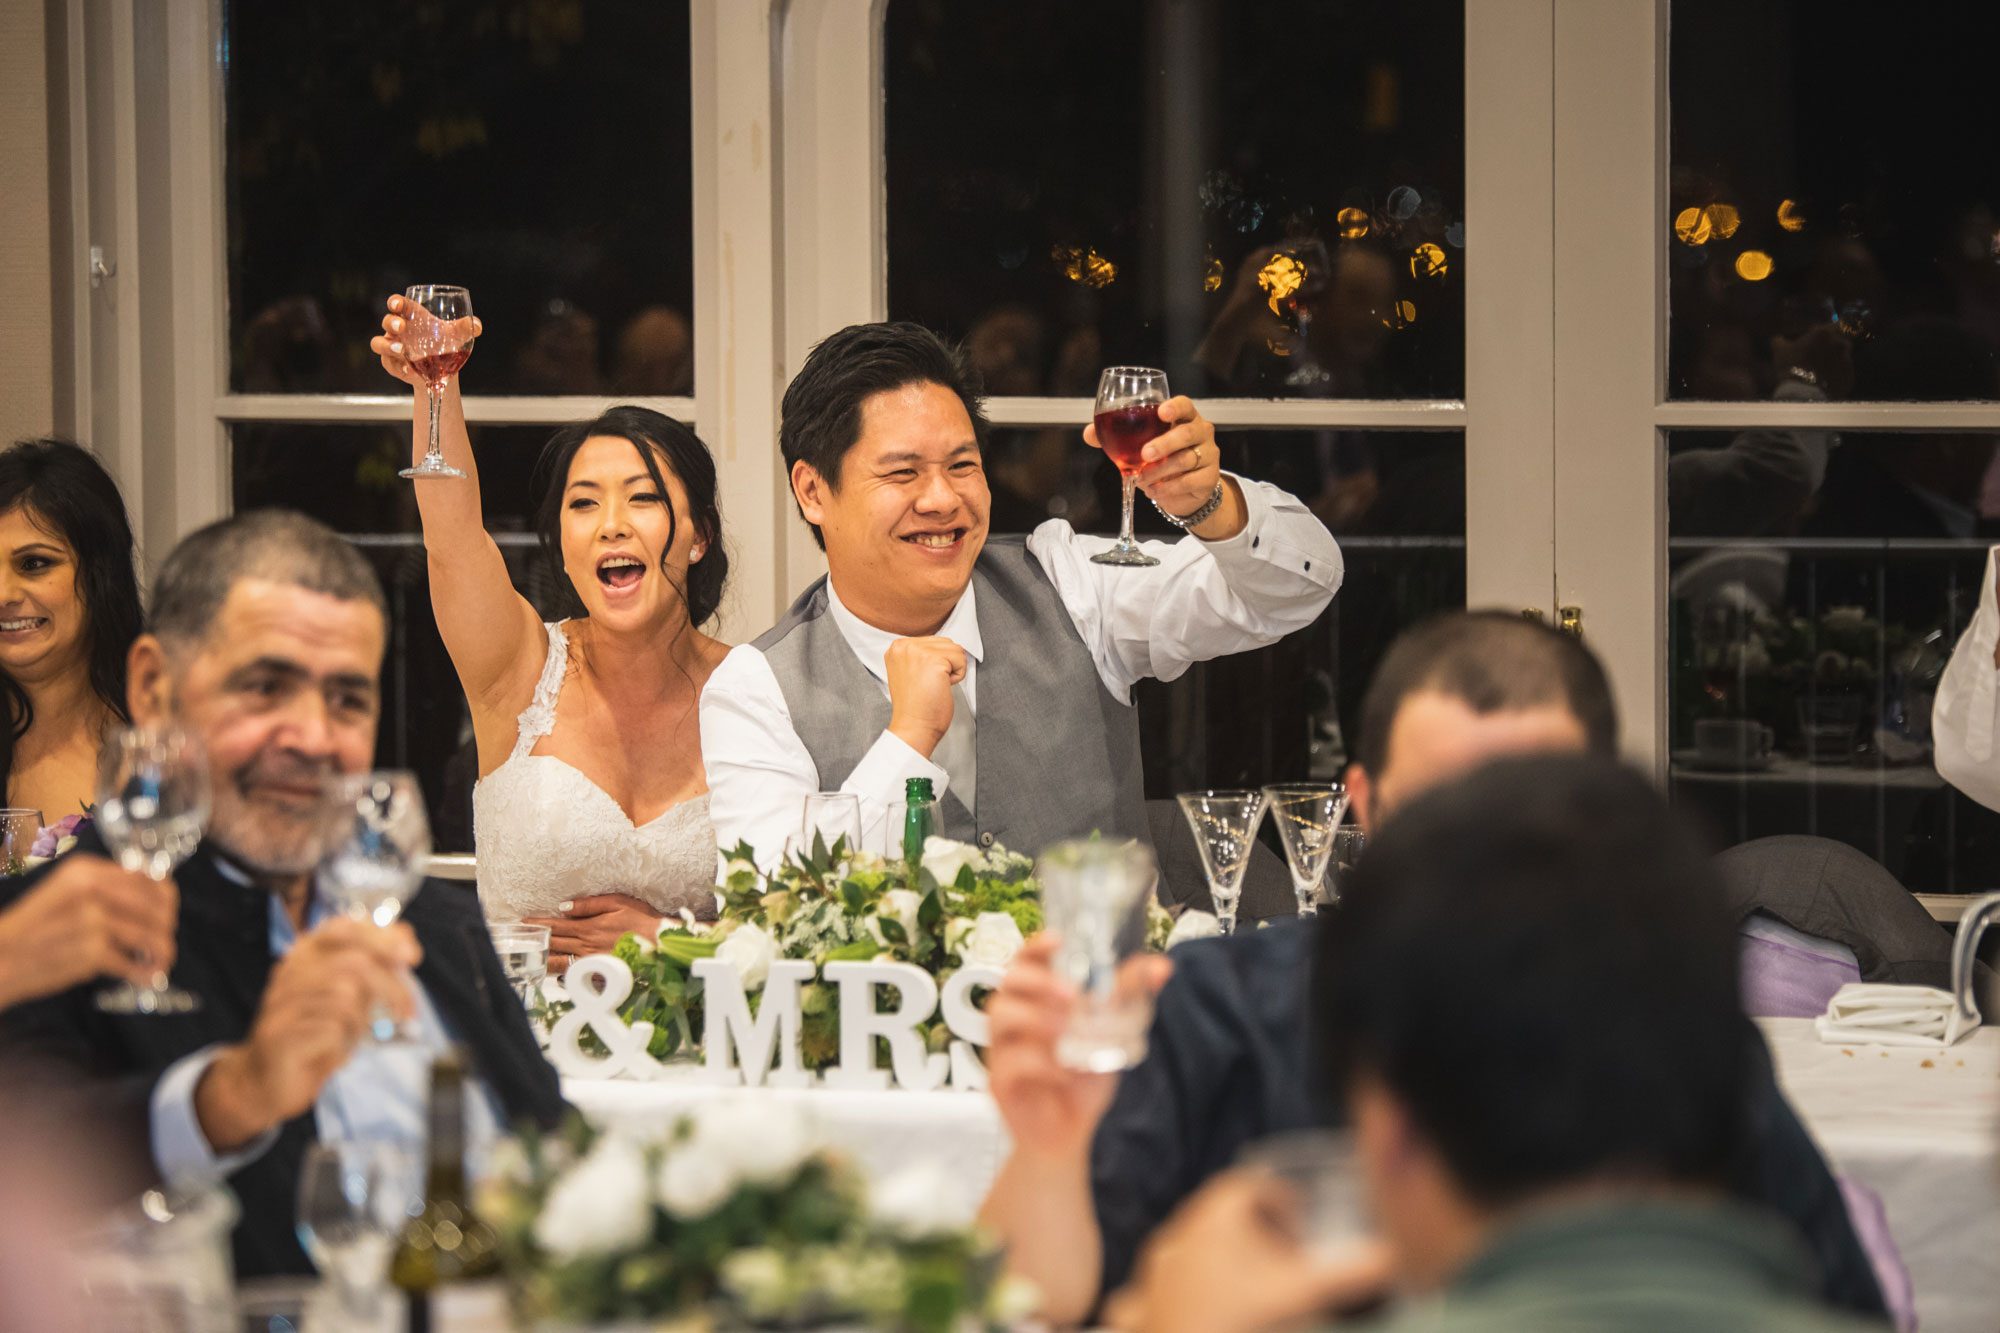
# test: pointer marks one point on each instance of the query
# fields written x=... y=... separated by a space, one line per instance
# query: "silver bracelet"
x=1199 y=516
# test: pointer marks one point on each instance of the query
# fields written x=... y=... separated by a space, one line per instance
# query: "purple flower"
x=48 y=840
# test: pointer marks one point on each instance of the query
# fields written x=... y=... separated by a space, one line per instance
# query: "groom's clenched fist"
x=921 y=674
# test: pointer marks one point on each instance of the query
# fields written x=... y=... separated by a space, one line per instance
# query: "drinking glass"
x=1127 y=417
x=1348 y=844
x=1225 y=830
x=1320 y=1164
x=897 y=825
x=1307 y=813
x=1094 y=897
x=378 y=841
x=524 y=955
x=18 y=831
x=437 y=338
x=351 y=1208
x=152 y=805
x=829 y=817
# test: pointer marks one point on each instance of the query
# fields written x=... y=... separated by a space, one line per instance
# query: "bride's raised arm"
x=493 y=635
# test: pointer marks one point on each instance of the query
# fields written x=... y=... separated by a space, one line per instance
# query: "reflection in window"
x=345 y=476
x=1818 y=584
x=1264 y=200
x=1821 y=198
x=1396 y=501
x=538 y=154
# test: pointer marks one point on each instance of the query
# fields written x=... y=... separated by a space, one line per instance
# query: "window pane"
x=1810 y=622
x=1264 y=200
x=1823 y=205
x=537 y=154
x=1397 y=503
x=346 y=477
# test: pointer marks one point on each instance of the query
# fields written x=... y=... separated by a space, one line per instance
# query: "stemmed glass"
x=1225 y=830
x=19 y=828
x=152 y=806
x=1095 y=894
x=1127 y=417
x=524 y=956
x=829 y=817
x=1307 y=813
x=437 y=338
x=352 y=1205
x=378 y=841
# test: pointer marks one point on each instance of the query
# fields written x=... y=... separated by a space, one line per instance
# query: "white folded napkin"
x=1871 y=1014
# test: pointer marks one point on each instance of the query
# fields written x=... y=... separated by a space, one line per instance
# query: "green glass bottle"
x=919 y=817
x=447 y=1261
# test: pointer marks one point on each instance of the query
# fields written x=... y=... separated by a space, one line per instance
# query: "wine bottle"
x=447 y=1261
x=919 y=806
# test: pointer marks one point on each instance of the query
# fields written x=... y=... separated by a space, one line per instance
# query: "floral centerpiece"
x=731 y=1219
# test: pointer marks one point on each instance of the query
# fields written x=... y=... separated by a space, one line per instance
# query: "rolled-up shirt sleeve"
x=1965 y=717
x=760 y=772
x=1204 y=599
x=181 y=1151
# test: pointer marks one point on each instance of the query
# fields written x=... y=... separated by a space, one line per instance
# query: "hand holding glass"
x=1225 y=831
x=1127 y=419
x=1094 y=897
x=438 y=330
x=152 y=806
x=1307 y=813
x=378 y=843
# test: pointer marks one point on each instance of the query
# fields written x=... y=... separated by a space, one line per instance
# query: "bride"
x=591 y=812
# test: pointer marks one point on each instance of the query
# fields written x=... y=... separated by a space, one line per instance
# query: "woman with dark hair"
x=69 y=610
x=591 y=811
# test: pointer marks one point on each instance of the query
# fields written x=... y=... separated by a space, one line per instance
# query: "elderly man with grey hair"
x=265 y=641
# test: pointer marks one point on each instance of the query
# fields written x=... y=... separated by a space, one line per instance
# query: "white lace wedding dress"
x=544 y=833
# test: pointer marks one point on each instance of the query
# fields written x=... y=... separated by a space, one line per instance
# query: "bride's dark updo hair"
x=654 y=436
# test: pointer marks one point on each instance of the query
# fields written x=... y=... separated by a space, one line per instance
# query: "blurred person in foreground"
x=1530 y=1016
x=265 y=641
x=1100 y=1161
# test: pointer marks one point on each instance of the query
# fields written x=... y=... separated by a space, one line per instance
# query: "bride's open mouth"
x=620 y=573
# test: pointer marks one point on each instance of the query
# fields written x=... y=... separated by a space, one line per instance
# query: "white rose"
x=992 y=942
x=916 y=1202
x=945 y=858
x=955 y=931
x=694 y=1181
x=601 y=1206
x=750 y=951
x=763 y=1140
x=758 y=1281
x=900 y=906
x=1193 y=926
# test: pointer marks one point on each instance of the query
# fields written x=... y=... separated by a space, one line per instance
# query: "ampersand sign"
x=597 y=985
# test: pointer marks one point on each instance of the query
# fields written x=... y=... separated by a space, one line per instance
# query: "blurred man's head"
x=265 y=640
x=1466 y=687
x=1532 y=996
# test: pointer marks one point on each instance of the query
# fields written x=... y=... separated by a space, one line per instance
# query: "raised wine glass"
x=437 y=338
x=1127 y=417
x=378 y=842
x=1307 y=813
x=152 y=805
x=1225 y=831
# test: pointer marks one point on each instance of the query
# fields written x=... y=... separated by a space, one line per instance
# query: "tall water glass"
x=1225 y=831
x=1094 y=897
x=829 y=817
x=351 y=1209
x=1307 y=813
x=152 y=806
x=377 y=843
x=18 y=830
x=524 y=955
x=437 y=338
x=1320 y=1164
x=1127 y=418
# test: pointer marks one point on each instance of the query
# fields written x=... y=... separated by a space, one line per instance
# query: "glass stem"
x=1125 y=542
x=1225 y=913
x=1308 y=898
x=433 y=455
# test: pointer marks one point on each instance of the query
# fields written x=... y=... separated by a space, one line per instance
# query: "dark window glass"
x=346 y=477
x=1818 y=585
x=537 y=154
x=1822 y=200
x=1397 y=503
x=1263 y=200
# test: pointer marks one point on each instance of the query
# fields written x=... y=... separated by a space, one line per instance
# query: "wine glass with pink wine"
x=437 y=338
x=1127 y=416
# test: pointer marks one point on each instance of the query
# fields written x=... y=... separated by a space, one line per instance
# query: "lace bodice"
x=544 y=833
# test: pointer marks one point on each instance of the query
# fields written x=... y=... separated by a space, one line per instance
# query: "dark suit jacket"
x=1228 y=1061
x=109 y=1063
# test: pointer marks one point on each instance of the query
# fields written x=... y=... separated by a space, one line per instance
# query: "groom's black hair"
x=820 y=419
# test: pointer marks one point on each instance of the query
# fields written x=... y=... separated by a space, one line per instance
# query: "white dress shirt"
x=1965 y=722
x=1203 y=600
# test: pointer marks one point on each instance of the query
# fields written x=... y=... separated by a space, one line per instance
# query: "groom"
x=1001 y=669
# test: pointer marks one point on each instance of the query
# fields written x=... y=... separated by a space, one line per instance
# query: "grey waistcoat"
x=1058 y=755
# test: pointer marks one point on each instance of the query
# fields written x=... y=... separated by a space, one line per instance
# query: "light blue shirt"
x=380 y=1095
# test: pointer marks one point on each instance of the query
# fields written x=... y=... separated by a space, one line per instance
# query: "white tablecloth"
x=1921 y=1129
x=882 y=1132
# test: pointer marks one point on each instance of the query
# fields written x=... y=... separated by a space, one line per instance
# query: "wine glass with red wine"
x=1128 y=415
x=437 y=338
